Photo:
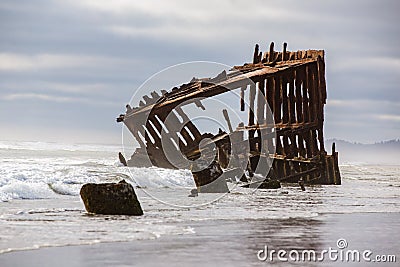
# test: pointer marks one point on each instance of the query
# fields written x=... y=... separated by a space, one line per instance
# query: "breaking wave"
x=34 y=170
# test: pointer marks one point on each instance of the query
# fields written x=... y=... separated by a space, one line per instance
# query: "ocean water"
x=40 y=204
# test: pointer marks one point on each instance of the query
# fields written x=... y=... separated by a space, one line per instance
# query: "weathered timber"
x=291 y=83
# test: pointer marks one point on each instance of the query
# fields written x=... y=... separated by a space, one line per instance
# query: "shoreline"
x=239 y=240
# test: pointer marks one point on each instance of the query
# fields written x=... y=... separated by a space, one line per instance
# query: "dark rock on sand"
x=270 y=184
x=209 y=179
x=301 y=183
x=266 y=184
x=193 y=193
x=122 y=159
x=111 y=199
x=243 y=178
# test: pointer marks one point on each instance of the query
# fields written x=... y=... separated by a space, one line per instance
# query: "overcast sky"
x=67 y=68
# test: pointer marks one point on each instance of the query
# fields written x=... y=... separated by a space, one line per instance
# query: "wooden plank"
x=281 y=127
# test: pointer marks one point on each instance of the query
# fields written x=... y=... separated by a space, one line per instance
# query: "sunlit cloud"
x=388 y=117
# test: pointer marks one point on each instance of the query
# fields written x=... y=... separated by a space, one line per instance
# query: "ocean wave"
x=43 y=179
x=23 y=190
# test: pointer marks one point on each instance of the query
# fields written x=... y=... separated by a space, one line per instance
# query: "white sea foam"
x=35 y=170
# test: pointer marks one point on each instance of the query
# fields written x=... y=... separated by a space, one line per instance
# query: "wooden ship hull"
x=291 y=84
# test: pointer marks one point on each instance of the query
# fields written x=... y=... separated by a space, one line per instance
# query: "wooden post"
x=321 y=78
x=228 y=121
x=257 y=55
x=277 y=100
x=284 y=52
x=304 y=94
x=261 y=102
x=294 y=151
x=292 y=101
x=302 y=150
x=285 y=104
x=252 y=96
x=310 y=89
x=278 y=145
x=242 y=90
x=286 y=148
x=309 y=148
x=269 y=94
x=299 y=100
x=271 y=55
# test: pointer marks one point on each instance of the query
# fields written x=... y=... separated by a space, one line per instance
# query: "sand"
x=232 y=243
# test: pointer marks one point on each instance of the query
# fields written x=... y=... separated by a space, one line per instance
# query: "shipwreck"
x=283 y=95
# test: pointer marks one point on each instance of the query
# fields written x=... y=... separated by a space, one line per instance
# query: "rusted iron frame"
x=280 y=98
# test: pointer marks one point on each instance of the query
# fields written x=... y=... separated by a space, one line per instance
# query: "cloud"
x=62 y=87
x=12 y=97
x=365 y=110
x=385 y=64
x=81 y=52
x=55 y=98
x=207 y=22
x=24 y=62
x=388 y=117
x=204 y=11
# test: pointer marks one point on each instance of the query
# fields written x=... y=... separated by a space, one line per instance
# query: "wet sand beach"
x=232 y=243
